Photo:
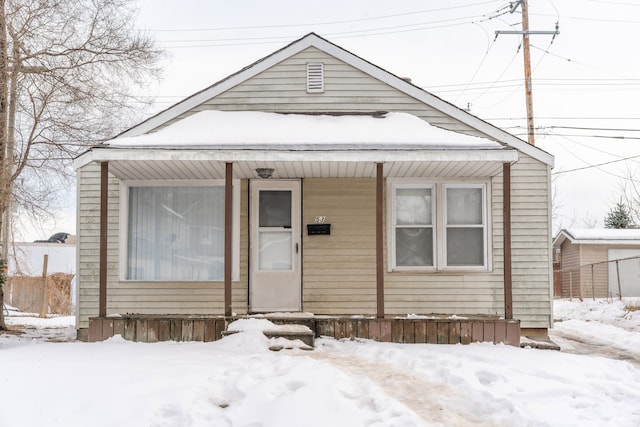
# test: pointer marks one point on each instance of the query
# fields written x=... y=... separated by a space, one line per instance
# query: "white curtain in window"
x=414 y=227
x=176 y=233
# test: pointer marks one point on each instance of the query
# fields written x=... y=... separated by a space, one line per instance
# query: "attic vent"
x=315 y=78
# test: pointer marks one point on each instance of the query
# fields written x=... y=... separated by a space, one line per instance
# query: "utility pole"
x=528 y=85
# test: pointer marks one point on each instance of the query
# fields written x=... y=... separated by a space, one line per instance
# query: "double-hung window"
x=465 y=225
x=438 y=226
x=414 y=226
x=173 y=231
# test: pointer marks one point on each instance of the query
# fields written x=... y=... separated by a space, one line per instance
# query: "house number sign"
x=320 y=219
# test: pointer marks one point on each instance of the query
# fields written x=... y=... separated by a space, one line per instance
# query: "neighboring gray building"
x=599 y=263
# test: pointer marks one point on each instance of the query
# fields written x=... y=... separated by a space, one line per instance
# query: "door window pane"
x=465 y=246
x=175 y=233
x=464 y=206
x=413 y=206
x=275 y=250
x=414 y=247
x=275 y=208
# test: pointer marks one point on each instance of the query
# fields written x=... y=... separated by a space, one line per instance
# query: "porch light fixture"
x=264 y=172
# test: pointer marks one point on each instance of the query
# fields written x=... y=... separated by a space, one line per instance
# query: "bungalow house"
x=313 y=181
x=599 y=263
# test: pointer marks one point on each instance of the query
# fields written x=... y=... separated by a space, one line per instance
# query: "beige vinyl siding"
x=467 y=293
x=88 y=240
x=141 y=297
x=446 y=292
x=531 y=242
x=282 y=88
x=339 y=270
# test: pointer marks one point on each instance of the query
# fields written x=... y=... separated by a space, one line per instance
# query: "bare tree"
x=4 y=66
x=69 y=70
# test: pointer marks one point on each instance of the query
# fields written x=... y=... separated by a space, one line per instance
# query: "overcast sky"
x=586 y=79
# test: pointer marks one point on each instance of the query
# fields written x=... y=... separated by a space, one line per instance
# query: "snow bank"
x=600 y=309
x=237 y=381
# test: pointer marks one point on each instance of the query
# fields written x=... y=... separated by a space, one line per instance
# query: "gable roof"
x=598 y=236
x=313 y=40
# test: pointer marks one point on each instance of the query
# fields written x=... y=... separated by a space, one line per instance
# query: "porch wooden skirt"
x=149 y=328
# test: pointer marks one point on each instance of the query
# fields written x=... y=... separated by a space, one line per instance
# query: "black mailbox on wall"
x=318 y=229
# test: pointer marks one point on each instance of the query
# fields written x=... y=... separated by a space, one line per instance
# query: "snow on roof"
x=253 y=129
x=599 y=235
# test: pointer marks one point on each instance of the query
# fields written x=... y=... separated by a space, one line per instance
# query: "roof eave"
x=106 y=154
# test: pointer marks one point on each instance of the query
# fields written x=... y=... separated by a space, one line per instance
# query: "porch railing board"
x=149 y=328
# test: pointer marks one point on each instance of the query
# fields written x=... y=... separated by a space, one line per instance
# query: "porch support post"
x=506 y=201
x=228 y=242
x=379 y=242
x=104 y=216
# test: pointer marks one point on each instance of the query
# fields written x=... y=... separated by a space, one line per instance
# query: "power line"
x=345 y=34
x=620 y=137
x=241 y=41
x=615 y=2
x=587 y=18
x=592 y=128
x=581 y=128
x=598 y=165
x=589 y=147
x=393 y=27
x=542 y=82
x=566 y=118
x=325 y=23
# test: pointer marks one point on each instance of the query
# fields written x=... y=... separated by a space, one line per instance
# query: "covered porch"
x=396 y=153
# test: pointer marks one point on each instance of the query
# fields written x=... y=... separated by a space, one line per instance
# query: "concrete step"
x=292 y=333
x=285 y=336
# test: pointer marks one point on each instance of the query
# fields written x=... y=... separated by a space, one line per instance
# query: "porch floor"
x=436 y=329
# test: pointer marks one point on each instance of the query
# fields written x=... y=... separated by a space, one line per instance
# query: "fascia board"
x=83 y=159
x=621 y=242
x=122 y=154
x=563 y=235
x=560 y=238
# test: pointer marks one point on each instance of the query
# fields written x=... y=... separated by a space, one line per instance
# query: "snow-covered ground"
x=47 y=379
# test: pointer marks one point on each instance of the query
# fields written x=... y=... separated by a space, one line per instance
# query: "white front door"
x=275 y=246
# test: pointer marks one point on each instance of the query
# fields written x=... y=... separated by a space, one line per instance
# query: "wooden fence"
x=27 y=293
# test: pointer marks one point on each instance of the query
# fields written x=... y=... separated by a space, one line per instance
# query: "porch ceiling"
x=129 y=165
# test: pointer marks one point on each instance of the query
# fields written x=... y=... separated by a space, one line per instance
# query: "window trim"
x=438 y=187
x=445 y=226
x=393 y=226
x=124 y=224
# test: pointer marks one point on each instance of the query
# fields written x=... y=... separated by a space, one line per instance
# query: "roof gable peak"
x=314 y=40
